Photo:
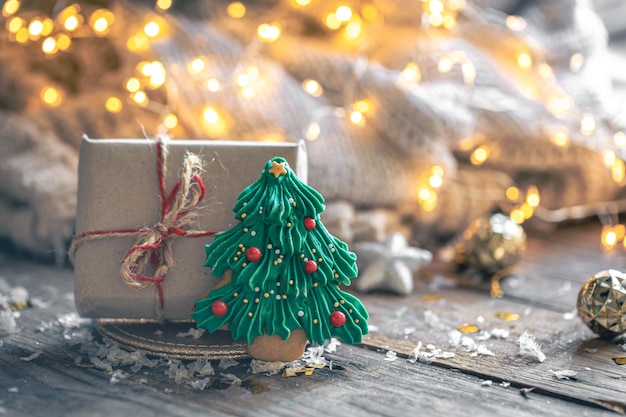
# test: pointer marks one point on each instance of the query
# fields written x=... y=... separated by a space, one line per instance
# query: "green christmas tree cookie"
x=281 y=272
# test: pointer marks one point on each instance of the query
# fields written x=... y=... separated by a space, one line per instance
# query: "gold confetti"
x=503 y=315
x=468 y=328
x=620 y=361
x=431 y=298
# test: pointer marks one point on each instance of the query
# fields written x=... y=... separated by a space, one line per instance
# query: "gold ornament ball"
x=602 y=303
x=493 y=244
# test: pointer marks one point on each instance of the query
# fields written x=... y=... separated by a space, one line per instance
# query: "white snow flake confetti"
x=529 y=347
x=192 y=332
x=486 y=383
x=429 y=355
x=566 y=374
x=267 y=368
x=570 y=315
x=7 y=323
x=331 y=345
x=117 y=376
x=227 y=363
x=391 y=356
x=200 y=384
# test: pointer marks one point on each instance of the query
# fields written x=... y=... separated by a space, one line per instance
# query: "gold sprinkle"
x=342 y=301
x=235 y=259
x=293 y=204
x=240 y=245
x=256 y=300
x=290 y=282
x=507 y=316
x=620 y=361
x=245 y=301
x=238 y=252
x=284 y=296
x=431 y=298
x=275 y=263
x=315 y=321
x=319 y=260
x=250 y=314
x=315 y=284
x=244 y=264
x=302 y=255
x=288 y=224
x=235 y=294
x=336 y=275
x=350 y=311
x=243 y=215
x=468 y=328
x=356 y=320
x=314 y=250
x=282 y=256
x=245 y=230
x=266 y=295
x=336 y=304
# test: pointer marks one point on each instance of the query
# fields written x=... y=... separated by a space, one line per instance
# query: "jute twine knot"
x=153 y=245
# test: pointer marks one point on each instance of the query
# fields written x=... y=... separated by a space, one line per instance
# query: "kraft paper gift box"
x=118 y=190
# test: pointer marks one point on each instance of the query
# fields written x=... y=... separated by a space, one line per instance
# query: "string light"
x=48 y=26
x=445 y=64
x=343 y=13
x=370 y=13
x=22 y=35
x=236 y=10
x=517 y=216
x=163 y=5
x=113 y=105
x=532 y=197
x=268 y=32
x=139 y=97
x=313 y=131
x=10 y=7
x=512 y=194
x=101 y=21
x=619 y=139
x=63 y=41
x=332 y=21
x=49 y=46
x=576 y=62
x=14 y=24
x=35 y=27
x=133 y=85
x=587 y=125
x=480 y=155
x=170 y=121
x=609 y=158
x=524 y=60
x=152 y=29
x=411 y=73
x=312 y=87
x=138 y=43
x=51 y=96
x=214 y=122
x=618 y=171
x=427 y=199
x=353 y=30
x=516 y=23
x=213 y=85
x=71 y=23
x=608 y=237
x=196 y=66
x=560 y=137
x=356 y=117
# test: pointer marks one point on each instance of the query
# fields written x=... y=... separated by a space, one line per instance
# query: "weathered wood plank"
x=363 y=382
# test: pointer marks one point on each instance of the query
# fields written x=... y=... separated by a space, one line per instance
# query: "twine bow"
x=153 y=245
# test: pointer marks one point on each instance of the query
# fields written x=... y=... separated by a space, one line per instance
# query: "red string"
x=166 y=204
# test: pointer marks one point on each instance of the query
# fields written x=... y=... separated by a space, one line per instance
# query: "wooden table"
x=46 y=371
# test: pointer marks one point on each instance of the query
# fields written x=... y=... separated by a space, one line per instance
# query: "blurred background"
x=419 y=115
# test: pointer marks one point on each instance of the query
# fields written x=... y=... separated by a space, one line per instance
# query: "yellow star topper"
x=277 y=169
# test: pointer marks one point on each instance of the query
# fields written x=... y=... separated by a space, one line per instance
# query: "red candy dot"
x=253 y=254
x=337 y=319
x=309 y=223
x=219 y=308
x=310 y=266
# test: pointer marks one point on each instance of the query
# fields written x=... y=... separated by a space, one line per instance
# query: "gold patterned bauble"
x=602 y=303
x=493 y=246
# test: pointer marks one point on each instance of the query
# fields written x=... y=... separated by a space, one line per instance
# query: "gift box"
x=126 y=230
